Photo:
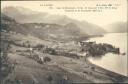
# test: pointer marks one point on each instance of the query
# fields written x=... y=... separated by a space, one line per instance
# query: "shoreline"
x=78 y=70
x=81 y=69
x=106 y=70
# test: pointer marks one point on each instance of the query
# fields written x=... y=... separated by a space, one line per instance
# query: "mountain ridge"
x=42 y=17
x=43 y=30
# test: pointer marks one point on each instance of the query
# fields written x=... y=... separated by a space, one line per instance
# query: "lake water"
x=113 y=62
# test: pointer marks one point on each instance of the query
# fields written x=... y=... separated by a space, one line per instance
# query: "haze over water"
x=113 y=62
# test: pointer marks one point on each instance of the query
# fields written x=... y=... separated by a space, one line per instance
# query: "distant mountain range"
x=24 y=15
x=43 y=30
x=117 y=27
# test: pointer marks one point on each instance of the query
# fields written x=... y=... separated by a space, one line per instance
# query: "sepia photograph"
x=63 y=42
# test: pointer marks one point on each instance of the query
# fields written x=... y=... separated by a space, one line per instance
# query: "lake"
x=113 y=62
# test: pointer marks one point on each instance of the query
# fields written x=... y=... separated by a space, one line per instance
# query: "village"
x=85 y=50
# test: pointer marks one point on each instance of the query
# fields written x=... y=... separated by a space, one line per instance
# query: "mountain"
x=117 y=27
x=43 y=30
x=24 y=15
x=6 y=22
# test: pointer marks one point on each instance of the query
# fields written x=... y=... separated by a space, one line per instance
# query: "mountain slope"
x=29 y=16
x=6 y=22
x=43 y=30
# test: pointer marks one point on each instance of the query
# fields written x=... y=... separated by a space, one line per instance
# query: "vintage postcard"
x=63 y=42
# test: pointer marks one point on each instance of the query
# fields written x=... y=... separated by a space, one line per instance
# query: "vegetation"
x=5 y=66
x=47 y=59
x=94 y=49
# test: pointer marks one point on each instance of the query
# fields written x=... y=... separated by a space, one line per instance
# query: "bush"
x=39 y=46
x=49 y=78
x=47 y=59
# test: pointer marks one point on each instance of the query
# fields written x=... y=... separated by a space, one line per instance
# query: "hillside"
x=29 y=16
x=44 y=30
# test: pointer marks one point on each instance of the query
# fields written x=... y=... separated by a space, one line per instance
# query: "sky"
x=103 y=18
